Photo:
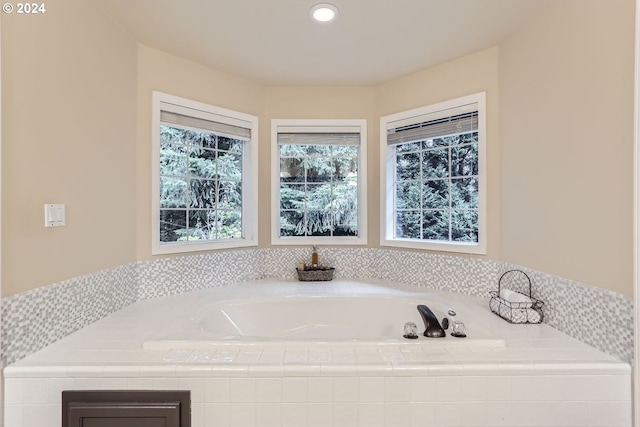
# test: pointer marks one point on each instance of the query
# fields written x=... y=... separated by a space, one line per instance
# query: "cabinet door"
x=165 y=414
x=126 y=408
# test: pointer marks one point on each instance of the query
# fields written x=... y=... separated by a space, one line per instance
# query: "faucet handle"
x=410 y=331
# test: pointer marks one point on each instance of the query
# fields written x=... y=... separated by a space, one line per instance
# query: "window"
x=433 y=164
x=319 y=181
x=204 y=176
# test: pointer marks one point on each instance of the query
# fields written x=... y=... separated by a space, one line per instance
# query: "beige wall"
x=566 y=105
x=68 y=136
x=471 y=74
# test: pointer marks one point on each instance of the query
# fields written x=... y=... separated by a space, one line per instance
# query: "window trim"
x=387 y=193
x=249 y=175
x=328 y=126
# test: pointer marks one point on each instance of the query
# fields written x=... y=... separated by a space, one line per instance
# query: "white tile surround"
x=543 y=377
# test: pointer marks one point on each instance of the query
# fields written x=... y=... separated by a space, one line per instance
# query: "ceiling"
x=275 y=42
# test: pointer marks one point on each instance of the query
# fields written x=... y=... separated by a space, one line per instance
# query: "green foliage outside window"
x=200 y=186
x=436 y=189
x=318 y=190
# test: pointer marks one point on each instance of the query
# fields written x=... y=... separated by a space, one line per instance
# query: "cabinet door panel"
x=166 y=414
x=126 y=408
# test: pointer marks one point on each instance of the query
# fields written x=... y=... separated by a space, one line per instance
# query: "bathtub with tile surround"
x=524 y=375
x=285 y=313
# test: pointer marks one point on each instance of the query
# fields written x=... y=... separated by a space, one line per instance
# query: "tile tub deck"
x=541 y=378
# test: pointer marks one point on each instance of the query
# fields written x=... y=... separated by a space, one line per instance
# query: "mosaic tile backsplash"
x=32 y=320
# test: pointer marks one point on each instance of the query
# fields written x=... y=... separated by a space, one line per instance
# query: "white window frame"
x=387 y=177
x=166 y=102
x=319 y=126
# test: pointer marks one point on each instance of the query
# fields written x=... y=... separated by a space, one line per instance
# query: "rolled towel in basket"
x=519 y=315
x=533 y=316
x=514 y=315
x=525 y=315
x=507 y=312
x=516 y=297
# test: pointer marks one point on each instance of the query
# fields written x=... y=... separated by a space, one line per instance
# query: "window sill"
x=463 y=248
x=324 y=241
x=176 y=248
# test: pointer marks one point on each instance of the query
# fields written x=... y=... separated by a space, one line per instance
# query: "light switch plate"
x=54 y=215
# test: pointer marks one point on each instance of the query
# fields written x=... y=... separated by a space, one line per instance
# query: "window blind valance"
x=319 y=138
x=196 y=123
x=437 y=128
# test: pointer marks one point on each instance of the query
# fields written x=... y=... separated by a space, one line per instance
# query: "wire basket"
x=529 y=311
x=316 y=274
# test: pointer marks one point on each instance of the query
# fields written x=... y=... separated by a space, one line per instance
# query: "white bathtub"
x=304 y=314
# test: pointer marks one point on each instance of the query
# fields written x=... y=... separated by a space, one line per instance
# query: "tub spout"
x=431 y=324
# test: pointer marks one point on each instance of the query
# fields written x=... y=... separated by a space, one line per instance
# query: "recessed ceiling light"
x=324 y=12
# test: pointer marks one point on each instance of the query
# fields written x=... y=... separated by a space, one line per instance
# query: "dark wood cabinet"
x=126 y=408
